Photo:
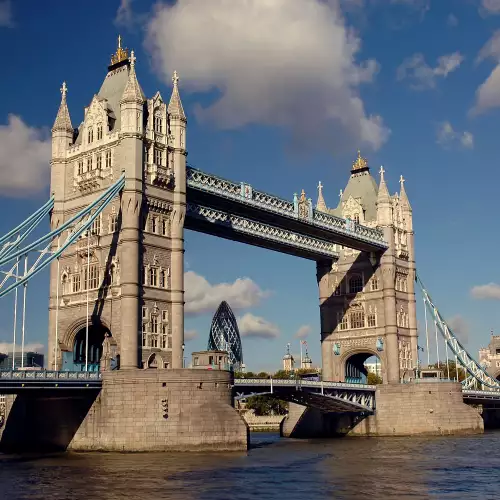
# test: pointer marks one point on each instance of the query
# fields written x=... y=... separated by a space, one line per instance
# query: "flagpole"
x=301 y=353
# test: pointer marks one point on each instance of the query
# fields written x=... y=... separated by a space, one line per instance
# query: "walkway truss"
x=477 y=375
x=20 y=261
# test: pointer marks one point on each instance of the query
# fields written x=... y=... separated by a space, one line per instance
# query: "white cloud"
x=447 y=136
x=255 y=326
x=490 y=7
x=190 y=335
x=289 y=63
x=24 y=158
x=6 y=347
x=489 y=291
x=127 y=18
x=303 y=332
x=5 y=13
x=488 y=93
x=421 y=75
x=202 y=297
x=452 y=20
x=459 y=327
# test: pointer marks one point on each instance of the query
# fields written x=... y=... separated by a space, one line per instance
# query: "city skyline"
x=446 y=150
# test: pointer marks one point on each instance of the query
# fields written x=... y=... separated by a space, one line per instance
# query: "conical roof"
x=62 y=122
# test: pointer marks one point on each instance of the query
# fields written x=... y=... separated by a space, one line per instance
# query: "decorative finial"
x=382 y=172
x=360 y=162
x=64 y=90
x=320 y=187
x=132 y=59
x=303 y=196
x=121 y=54
x=401 y=180
x=175 y=79
x=288 y=348
x=341 y=193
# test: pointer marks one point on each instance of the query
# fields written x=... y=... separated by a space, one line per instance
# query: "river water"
x=274 y=468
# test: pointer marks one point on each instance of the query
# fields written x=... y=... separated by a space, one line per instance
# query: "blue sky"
x=282 y=98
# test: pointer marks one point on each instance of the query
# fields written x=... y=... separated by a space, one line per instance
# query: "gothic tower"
x=367 y=301
x=124 y=280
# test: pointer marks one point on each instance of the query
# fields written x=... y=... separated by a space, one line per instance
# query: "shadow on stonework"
x=45 y=421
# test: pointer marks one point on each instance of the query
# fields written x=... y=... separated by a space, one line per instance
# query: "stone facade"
x=136 y=410
x=367 y=301
x=489 y=357
x=402 y=410
x=130 y=268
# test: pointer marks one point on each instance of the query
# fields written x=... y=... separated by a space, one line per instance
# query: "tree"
x=443 y=366
x=266 y=405
x=373 y=379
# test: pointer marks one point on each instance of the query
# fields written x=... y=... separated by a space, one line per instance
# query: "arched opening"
x=90 y=357
x=363 y=368
x=155 y=361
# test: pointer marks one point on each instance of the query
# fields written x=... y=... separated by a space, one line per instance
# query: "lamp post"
x=183 y=358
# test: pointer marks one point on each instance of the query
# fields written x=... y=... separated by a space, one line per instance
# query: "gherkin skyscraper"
x=225 y=336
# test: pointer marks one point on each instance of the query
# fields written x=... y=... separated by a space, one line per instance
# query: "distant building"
x=27 y=360
x=489 y=357
x=306 y=362
x=375 y=368
x=288 y=361
x=225 y=336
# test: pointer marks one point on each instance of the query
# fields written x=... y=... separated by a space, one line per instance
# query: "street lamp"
x=183 y=359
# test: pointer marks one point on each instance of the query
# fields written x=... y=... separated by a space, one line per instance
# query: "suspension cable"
x=427 y=336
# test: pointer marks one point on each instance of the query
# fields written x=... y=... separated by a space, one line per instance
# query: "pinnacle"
x=63 y=120
x=175 y=105
x=321 y=205
x=132 y=92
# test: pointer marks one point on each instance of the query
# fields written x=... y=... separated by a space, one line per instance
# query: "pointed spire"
x=132 y=92
x=383 y=192
x=384 y=210
x=402 y=193
x=175 y=105
x=63 y=120
x=321 y=205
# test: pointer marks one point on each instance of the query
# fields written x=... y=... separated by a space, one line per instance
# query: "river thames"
x=274 y=468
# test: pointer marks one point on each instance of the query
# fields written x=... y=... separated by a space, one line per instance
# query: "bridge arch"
x=77 y=356
x=353 y=364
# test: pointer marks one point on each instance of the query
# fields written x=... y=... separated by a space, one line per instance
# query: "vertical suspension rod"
x=25 y=286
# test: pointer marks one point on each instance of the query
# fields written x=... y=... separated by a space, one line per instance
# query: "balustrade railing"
x=47 y=375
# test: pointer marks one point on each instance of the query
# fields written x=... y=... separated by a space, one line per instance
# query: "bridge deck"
x=16 y=381
x=242 y=200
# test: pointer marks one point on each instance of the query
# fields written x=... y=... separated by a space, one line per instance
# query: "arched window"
x=99 y=131
x=90 y=135
x=357 y=318
x=355 y=284
x=356 y=218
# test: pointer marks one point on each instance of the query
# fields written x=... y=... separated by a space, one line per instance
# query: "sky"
x=281 y=94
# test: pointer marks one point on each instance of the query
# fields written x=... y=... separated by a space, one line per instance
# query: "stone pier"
x=414 y=409
x=135 y=411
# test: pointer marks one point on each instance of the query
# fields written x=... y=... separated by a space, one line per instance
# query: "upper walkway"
x=212 y=192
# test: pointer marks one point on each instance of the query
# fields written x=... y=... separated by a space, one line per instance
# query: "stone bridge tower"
x=367 y=301
x=123 y=281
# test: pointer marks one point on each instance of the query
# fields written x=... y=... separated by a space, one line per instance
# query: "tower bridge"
x=122 y=197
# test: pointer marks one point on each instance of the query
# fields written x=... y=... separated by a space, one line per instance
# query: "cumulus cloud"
x=6 y=347
x=202 y=297
x=190 y=335
x=288 y=63
x=5 y=13
x=491 y=7
x=422 y=76
x=24 y=159
x=459 y=327
x=490 y=291
x=447 y=136
x=257 y=327
x=127 y=18
x=303 y=332
x=488 y=93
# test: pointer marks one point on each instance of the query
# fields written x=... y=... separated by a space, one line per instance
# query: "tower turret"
x=132 y=102
x=384 y=209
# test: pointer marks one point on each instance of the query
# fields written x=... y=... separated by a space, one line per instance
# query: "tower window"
x=158 y=156
x=158 y=124
x=99 y=161
x=164 y=227
x=80 y=167
x=154 y=224
x=356 y=218
x=355 y=284
x=357 y=319
x=89 y=163
x=91 y=277
x=153 y=276
x=372 y=319
x=99 y=131
x=342 y=321
x=75 y=283
x=374 y=284
x=90 y=135
x=108 y=158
